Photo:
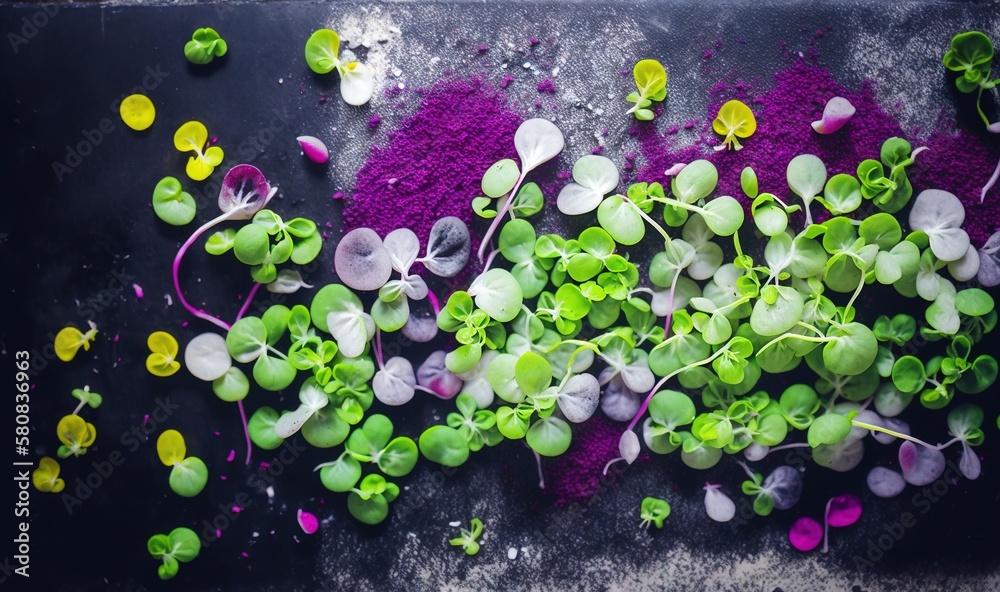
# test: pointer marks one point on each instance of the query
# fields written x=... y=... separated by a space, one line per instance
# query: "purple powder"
x=783 y=132
x=547 y=86
x=576 y=476
x=374 y=121
x=437 y=158
x=961 y=161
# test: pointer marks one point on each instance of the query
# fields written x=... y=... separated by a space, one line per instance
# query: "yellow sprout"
x=75 y=434
x=162 y=362
x=70 y=339
x=192 y=137
x=46 y=476
x=170 y=447
x=735 y=120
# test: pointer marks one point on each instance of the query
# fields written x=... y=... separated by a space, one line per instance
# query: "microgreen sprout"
x=193 y=137
x=971 y=55
x=653 y=511
x=806 y=533
x=734 y=120
x=357 y=83
x=76 y=435
x=205 y=45
x=46 y=477
x=163 y=359
x=651 y=82
x=181 y=545
x=70 y=339
x=467 y=537
x=188 y=474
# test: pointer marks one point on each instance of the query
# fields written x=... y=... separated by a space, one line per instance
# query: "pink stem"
x=378 y=349
x=826 y=526
x=246 y=305
x=496 y=221
x=243 y=412
x=177 y=265
x=434 y=302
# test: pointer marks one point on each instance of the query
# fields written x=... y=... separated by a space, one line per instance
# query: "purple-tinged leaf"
x=838 y=111
x=805 y=534
x=244 y=190
x=885 y=482
x=314 y=149
x=969 y=463
x=628 y=446
x=618 y=401
x=843 y=510
x=435 y=376
x=785 y=486
x=921 y=465
x=361 y=261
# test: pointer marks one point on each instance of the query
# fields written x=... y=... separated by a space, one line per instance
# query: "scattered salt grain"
x=512 y=553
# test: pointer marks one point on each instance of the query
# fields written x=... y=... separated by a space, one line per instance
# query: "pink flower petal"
x=676 y=169
x=314 y=149
x=308 y=522
x=805 y=534
x=843 y=510
x=838 y=111
x=138 y=291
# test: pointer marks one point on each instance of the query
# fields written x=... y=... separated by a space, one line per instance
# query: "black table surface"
x=72 y=245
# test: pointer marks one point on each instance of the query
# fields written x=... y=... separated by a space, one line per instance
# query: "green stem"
x=794 y=336
x=857 y=292
x=896 y=434
x=646 y=217
x=979 y=107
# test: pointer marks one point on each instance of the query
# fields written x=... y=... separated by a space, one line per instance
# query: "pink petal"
x=677 y=168
x=314 y=149
x=837 y=112
x=805 y=534
x=308 y=522
x=843 y=510
x=138 y=291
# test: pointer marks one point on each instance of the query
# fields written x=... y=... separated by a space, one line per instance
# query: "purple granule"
x=783 y=132
x=960 y=161
x=576 y=476
x=438 y=157
x=547 y=86
x=707 y=55
x=506 y=80
x=533 y=41
x=481 y=48
x=374 y=121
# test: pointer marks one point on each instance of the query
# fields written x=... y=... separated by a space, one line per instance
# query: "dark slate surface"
x=72 y=245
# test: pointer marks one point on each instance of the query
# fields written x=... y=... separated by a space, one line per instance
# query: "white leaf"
x=476 y=383
x=361 y=261
x=207 y=358
x=966 y=267
x=288 y=282
x=498 y=293
x=940 y=214
x=618 y=402
x=885 y=483
x=352 y=329
x=579 y=397
x=393 y=385
x=576 y=199
x=969 y=462
x=403 y=247
x=357 y=84
x=537 y=141
x=448 y=247
x=718 y=505
x=628 y=446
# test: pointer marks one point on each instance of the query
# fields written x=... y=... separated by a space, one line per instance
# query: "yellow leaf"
x=69 y=340
x=46 y=476
x=137 y=112
x=162 y=362
x=191 y=136
x=735 y=120
x=170 y=447
x=75 y=434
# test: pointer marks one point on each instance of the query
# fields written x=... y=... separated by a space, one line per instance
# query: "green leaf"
x=273 y=374
x=974 y=302
x=500 y=178
x=654 y=511
x=444 y=445
x=621 y=220
x=517 y=241
x=532 y=373
x=188 y=477
x=232 y=386
x=498 y=293
x=829 y=428
x=247 y=339
x=748 y=182
x=173 y=205
x=322 y=49
x=220 y=242
x=550 y=436
x=340 y=475
x=261 y=428
x=853 y=350
x=970 y=51
x=650 y=77
x=204 y=46
x=696 y=181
